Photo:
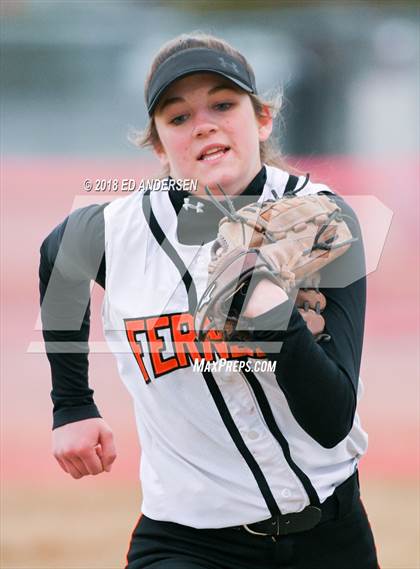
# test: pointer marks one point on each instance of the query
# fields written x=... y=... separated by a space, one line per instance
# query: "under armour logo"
x=199 y=208
x=225 y=63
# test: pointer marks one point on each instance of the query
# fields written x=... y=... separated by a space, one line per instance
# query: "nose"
x=203 y=126
x=204 y=129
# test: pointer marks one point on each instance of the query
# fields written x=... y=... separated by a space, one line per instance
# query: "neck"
x=254 y=186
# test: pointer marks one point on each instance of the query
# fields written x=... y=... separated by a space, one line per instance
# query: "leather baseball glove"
x=287 y=240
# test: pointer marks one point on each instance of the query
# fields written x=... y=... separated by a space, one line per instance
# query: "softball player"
x=244 y=467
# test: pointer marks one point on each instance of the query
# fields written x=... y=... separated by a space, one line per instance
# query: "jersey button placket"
x=253 y=435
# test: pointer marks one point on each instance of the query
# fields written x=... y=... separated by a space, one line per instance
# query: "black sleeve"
x=320 y=380
x=71 y=256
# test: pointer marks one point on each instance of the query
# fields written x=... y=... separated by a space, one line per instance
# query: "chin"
x=227 y=180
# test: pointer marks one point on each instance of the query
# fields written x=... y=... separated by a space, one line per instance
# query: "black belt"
x=336 y=506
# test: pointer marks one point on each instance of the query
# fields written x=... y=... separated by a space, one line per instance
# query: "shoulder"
x=80 y=221
x=77 y=241
x=306 y=187
x=310 y=187
x=350 y=267
x=348 y=214
x=279 y=181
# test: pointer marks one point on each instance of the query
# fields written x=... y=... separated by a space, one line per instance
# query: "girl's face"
x=208 y=132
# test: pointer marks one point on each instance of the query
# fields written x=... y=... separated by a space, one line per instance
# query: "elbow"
x=337 y=428
x=333 y=439
x=335 y=420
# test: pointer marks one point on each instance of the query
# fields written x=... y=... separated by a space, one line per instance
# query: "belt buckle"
x=285 y=524
x=275 y=523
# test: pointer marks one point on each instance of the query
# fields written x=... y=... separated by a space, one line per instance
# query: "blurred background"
x=72 y=76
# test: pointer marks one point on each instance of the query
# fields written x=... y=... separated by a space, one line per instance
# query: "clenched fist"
x=84 y=447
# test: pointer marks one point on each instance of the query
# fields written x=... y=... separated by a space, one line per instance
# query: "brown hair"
x=269 y=151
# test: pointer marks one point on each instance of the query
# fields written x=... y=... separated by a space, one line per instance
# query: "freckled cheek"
x=179 y=151
x=183 y=159
x=239 y=135
x=232 y=129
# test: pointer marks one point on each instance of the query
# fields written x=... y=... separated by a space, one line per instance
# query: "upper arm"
x=75 y=248
x=71 y=256
x=343 y=283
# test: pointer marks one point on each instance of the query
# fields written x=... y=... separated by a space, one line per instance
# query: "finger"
x=78 y=463
x=310 y=298
x=62 y=464
x=108 y=451
x=314 y=321
x=72 y=470
x=91 y=461
x=98 y=450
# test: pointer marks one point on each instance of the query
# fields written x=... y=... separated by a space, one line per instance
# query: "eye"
x=223 y=106
x=178 y=119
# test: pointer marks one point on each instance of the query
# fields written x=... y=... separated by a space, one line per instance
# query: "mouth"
x=213 y=153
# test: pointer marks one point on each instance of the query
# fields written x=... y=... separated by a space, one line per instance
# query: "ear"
x=160 y=153
x=265 y=124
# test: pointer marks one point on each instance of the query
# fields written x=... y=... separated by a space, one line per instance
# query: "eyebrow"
x=173 y=100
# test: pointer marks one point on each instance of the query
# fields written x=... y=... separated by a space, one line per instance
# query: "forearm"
x=72 y=398
x=67 y=352
x=318 y=383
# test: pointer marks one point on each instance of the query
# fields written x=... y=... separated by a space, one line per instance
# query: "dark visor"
x=193 y=61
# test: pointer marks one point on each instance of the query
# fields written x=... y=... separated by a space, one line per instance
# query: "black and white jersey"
x=219 y=447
